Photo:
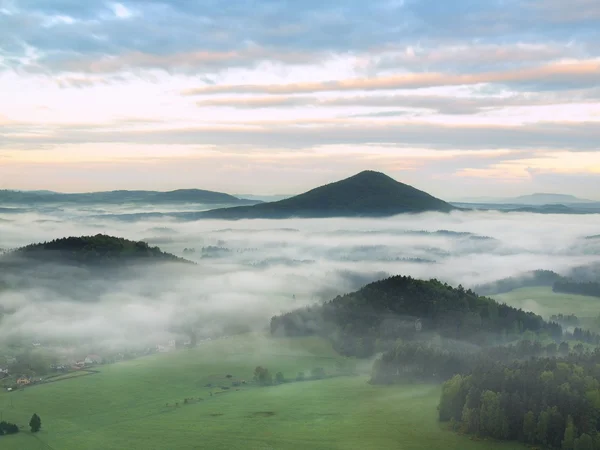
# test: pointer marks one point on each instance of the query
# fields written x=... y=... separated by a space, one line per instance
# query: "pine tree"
x=35 y=423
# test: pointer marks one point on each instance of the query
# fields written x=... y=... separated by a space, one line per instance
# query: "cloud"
x=573 y=12
x=268 y=264
x=476 y=57
x=61 y=32
x=180 y=62
x=439 y=103
x=297 y=134
x=568 y=74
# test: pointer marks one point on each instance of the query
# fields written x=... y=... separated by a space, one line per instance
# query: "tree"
x=491 y=415
x=263 y=376
x=529 y=427
x=279 y=378
x=451 y=403
x=35 y=423
x=584 y=442
x=542 y=427
x=568 y=442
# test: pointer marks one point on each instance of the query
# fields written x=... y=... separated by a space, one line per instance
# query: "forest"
x=580 y=288
x=373 y=318
x=552 y=402
x=98 y=250
x=538 y=393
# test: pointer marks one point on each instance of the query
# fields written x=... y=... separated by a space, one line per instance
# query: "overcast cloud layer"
x=275 y=97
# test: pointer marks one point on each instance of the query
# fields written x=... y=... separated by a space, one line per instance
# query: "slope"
x=373 y=318
x=369 y=194
x=124 y=405
x=120 y=197
x=98 y=250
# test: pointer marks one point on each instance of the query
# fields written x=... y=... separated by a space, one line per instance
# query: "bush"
x=8 y=428
x=263 y=376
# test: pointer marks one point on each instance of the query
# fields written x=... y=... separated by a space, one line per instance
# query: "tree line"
x=427 y=361
x=375 y=317
x=553 y=402
x=567 y=286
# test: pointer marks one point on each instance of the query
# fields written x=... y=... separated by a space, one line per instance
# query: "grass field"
x=542 y=301
x=124 y=406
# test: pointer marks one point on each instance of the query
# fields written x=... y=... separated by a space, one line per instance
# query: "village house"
x=23 y=381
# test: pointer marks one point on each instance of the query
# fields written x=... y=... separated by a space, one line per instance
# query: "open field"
x=541 y=300
x=124 y=406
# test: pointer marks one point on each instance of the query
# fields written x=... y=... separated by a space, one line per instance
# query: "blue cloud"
x=166 y=27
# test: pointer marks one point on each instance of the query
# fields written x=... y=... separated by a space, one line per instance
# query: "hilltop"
x=120 y=197
x=98 y=250
x=367 y=194
x=373 y=318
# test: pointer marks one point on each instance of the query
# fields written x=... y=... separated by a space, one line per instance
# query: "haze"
x=263 y=267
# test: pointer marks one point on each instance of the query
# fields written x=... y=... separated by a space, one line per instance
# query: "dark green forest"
x=98 y=250
x=376 y=316
x=529 y=279
x=572 y=287
x=551 y=402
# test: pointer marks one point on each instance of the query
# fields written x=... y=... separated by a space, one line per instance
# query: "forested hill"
x=121 y=197
x=99 y=250
x=369 y=194
x=528 y=279
x=373 y=318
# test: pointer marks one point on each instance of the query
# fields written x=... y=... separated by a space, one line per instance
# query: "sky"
x=462 y=99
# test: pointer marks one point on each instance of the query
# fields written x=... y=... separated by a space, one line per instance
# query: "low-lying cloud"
x=248 y=271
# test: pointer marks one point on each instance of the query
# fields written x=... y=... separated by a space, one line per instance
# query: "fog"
x=258 y=268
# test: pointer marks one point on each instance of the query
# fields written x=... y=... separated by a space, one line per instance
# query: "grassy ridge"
x=124 y=406
x=543 y=301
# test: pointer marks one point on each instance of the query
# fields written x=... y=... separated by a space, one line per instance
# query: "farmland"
x=125 y=405
x=543 y=301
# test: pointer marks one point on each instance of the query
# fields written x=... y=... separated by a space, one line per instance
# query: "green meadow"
x=124 y=406
x=543 y=301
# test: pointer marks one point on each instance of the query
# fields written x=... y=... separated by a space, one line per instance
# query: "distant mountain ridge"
x=367 y=194
x=537 y=199
x=123 y=196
